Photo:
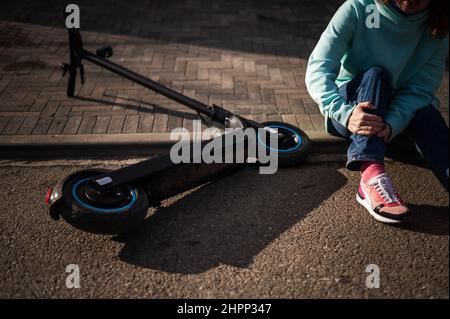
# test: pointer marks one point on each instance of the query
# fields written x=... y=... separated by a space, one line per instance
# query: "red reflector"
x=47 y=197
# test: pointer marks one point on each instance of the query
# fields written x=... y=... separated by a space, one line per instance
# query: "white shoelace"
x=383 y=185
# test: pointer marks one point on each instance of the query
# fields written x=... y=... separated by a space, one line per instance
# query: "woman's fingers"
x=368 y=130
x=367 y=105
x=364 y=123
x=373 y=124
x=364 y=132
x=372 y=118
x=383 y=133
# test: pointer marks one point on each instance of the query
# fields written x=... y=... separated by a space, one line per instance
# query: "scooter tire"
x=111 y=221
x=294 y=155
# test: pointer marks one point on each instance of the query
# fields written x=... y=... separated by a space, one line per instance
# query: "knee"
x=378 y=74
x=376 y=87
x=428 y=119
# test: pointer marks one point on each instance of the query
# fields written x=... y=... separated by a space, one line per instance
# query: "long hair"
x=438 y=20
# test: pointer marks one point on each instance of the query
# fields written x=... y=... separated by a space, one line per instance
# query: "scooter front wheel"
x=115 y=211
x=293 y=145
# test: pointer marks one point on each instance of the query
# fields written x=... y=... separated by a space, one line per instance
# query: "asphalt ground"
x=296 y=234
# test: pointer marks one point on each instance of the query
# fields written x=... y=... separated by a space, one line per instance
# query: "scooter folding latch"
x=220 y=114
x=105 y=52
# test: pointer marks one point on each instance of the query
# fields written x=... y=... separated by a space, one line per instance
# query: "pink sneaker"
x=379 y=197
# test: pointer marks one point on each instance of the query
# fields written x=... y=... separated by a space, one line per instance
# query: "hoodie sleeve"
x=417 y=92
x=325 y=62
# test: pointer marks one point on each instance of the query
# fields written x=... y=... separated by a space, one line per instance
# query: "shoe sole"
x=379 y=218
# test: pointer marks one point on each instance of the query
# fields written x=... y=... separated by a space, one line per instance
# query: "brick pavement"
x=249 y=56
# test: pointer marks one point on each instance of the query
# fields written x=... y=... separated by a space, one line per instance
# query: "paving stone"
x=304 y=122
x=289 y=119
x=282 y=103
x=274 y=117
x=87 y=125
x=317 y=121
x=3 y=122
x=13 y=126
x=101 y=125
x=297 y=106
x=116 y=124
x=42 y=126
x=57 y=125
x=63 y=111
x=72 y=125
x=131 y=124
x=259 y=118
x=145 y=123
x=310 y=107
x=50 y=109
x=160 y=123
x=174 y=122
x=267 y=96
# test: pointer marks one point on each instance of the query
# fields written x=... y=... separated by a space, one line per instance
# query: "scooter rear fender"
x=56 y=192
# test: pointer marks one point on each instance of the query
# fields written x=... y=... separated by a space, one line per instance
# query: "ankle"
x=371 y=169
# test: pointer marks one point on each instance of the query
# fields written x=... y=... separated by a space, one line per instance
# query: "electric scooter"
x=117 y=201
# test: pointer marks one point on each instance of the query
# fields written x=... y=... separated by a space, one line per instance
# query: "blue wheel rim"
x=80 y=202
x=291 y=149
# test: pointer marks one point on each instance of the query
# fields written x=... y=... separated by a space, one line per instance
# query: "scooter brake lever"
x=64 y=67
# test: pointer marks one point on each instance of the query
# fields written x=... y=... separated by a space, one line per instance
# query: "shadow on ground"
x=138 y=106
x=427 y=219
x=230 y=221
x=256 y=26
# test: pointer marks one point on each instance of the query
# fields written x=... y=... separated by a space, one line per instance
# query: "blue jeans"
x=427 y=130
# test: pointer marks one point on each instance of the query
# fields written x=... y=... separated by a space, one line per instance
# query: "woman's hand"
x=363 y=123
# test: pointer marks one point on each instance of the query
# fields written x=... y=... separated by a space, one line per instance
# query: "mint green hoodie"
x=401 y=45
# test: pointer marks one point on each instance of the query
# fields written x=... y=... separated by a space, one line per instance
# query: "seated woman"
x=374 y=74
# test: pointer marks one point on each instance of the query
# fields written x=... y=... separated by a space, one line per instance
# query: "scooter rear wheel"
x=293 y=149
x=116 y=211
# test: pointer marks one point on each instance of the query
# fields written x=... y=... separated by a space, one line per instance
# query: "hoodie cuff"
x=343 y=114
x=395 y=129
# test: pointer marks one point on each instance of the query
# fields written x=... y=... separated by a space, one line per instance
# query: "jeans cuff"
x=354 y=162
